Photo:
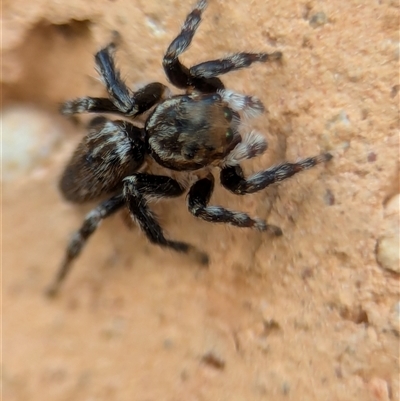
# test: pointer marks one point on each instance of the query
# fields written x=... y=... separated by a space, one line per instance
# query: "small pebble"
x=379 y=389
x=387 y=254
x=285 y=388
x=318 y=19
x=213 y=360
x=395 y=90
x=329 y=197
x=371 y=157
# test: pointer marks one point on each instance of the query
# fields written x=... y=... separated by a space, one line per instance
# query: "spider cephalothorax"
x=196 y=130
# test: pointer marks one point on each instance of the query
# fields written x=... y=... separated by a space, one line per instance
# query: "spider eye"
x=189 y=152
x=228 y=114
x=229 y=135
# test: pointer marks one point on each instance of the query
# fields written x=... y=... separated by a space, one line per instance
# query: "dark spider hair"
x=197 y=130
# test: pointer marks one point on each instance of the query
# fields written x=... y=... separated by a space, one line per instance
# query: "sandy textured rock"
x=307 y=316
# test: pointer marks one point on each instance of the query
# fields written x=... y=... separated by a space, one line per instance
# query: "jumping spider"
x=196 y=130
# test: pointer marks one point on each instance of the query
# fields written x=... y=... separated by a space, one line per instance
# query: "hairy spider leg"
x=250 y=106
x=232 y=177
x=79 y=238
x=118 y=91
x=199 y=197
x=122 y=100
x=178 y=74
x=236 y=61
x=138 y=189
x=203 y=76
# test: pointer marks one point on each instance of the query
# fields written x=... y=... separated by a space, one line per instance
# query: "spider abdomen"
x=104 y=157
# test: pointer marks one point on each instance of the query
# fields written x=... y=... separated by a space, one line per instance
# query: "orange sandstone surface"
x=312 y=315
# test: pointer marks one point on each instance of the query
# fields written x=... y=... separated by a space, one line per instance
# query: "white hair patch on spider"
x=253 y=144
x=250 y=106
x=76 y=106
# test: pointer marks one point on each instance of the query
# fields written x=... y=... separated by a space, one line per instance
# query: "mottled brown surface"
x=308 y=316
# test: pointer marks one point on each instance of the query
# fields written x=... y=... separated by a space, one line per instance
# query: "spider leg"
x=128 y=103
x=122 y=100
x=177 y=73
x=250 y=106
x=237 y=61
x=233 y=179
x=139 y=102
x=253 y=144
x=199 y=197
x=119 y=93
x=154 y=186
x=137 y=190
x=203 y=76
x=88 y=105
x=79 y=238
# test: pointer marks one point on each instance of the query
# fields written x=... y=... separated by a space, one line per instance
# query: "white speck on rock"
x=155 y=27
x=388 y=249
